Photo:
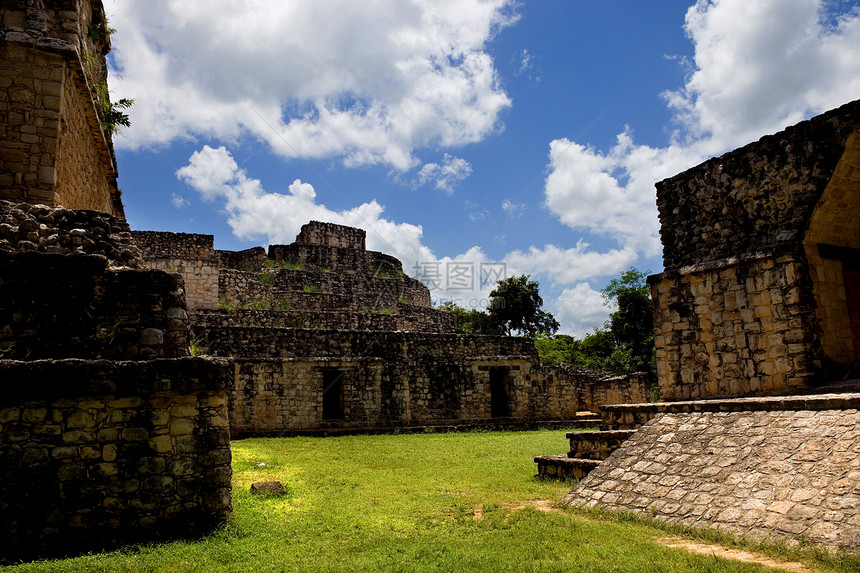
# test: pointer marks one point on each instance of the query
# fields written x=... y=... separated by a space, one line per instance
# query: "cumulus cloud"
x=444 y=176
x=178 y=201
x=580 y=309
x=368 y=87
x=758 y=67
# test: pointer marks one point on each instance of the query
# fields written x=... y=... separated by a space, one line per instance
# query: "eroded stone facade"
x=760 y=251
x=327 y=336
x=54 y=149
x=109 y=431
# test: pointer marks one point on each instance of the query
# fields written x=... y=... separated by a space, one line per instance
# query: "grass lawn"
x=426 y=502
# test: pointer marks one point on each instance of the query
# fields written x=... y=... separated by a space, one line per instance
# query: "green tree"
x=472 y=321
x=515 y=307
x=626 y=341
x=554 y=349
x=632 y=325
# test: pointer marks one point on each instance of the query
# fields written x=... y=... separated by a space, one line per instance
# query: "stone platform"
x=777 y=468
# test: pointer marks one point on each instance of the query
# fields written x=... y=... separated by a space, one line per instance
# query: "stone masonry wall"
x=734 y=330
x=337 y=259
x=190 y=255
x=74 y=306
x=316 y=291
x=578 y=389
x=53 y=149
x=289 y=343
x=412 y=318
x=755 y=197
x=317 y=233
x=96 y=453
x=84 y=175
x=767 y=473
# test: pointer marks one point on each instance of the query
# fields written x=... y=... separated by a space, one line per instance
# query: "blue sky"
x=462 y=135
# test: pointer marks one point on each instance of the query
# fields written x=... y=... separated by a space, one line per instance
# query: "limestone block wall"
x=317 y=233
x=568 y=389
x=746 y=304
x=190 y=255
x=54 y=150
x=252 y=260
x=75 y=306
x=319 y=291
x=57 y=231
x=734 y=329
x=274 y=396
x=289 y=343
x=760 y=468
x=97 y=453
x=337 y=259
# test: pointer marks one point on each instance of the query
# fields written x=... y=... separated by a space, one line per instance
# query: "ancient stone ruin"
x=110 y=430
x=55 y=147
x=757 y=311
x=326 y=336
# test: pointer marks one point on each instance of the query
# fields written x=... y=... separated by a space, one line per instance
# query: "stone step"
x=596 y=445
x=564 y=467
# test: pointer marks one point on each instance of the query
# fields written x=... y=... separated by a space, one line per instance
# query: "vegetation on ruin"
x=310 y=288
x=286 y=265
x=224 y=304
x=421 y=502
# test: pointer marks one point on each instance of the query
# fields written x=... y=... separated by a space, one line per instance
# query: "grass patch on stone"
x=421 y=502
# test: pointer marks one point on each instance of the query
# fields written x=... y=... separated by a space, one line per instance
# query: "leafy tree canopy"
x=515 y=308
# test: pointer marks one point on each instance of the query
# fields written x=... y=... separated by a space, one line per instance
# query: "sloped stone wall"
x=755 y=197
x=96 y=453
x=771 y=470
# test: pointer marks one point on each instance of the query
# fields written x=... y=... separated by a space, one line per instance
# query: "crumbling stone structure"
x=326 y=336
x=761 y=253
x=55 y=147
x=109 y=431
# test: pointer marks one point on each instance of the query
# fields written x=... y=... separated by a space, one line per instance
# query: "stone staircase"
x=617 y=422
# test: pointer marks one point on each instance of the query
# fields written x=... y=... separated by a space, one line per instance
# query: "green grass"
x=408 y=503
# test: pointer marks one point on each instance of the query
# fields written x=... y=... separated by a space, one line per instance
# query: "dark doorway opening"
x=500 y=401
x=332 y=394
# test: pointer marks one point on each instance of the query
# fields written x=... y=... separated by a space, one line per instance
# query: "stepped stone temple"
x=325 y=336
x=757 y=334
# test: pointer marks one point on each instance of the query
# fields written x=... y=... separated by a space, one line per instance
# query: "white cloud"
x=568 y=266
x=580 y=309
x=525 y=61
x=178 y=201
x=369 y=86
x=445 y=176
x=513 y=210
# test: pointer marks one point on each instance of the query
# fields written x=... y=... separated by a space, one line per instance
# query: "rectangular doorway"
x=500 y=400
x=332 y=394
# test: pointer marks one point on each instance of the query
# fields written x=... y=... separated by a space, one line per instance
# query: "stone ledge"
x=49 y=379
x=767 y=403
